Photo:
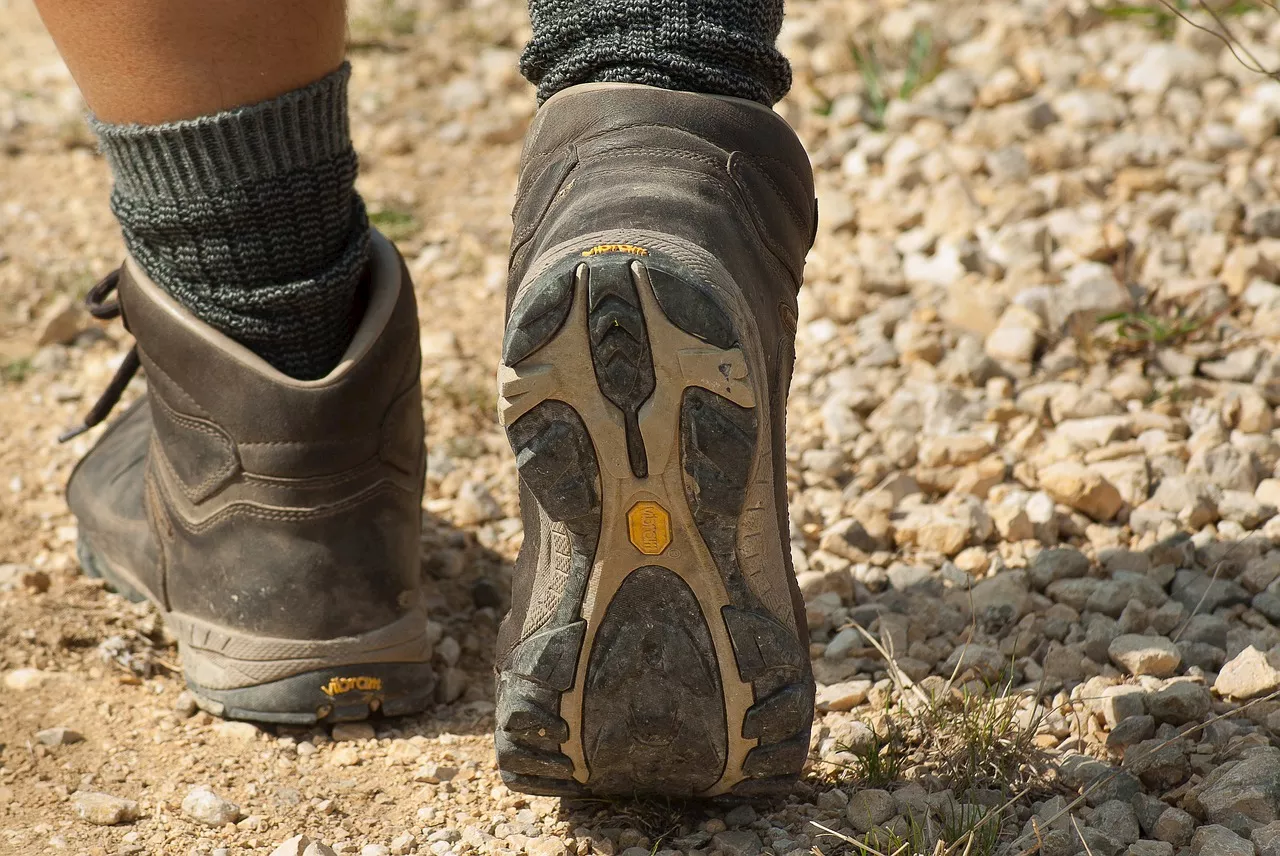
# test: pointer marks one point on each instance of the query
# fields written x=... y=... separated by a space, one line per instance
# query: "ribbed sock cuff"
x=250 y=219
x=204 y=156
x=718 y=47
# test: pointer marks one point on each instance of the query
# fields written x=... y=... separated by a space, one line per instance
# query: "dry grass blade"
x=1234 y=41
x=1069 y=807
x=866 y=849
x=1076 y=826
x=968 y=739
x=903 y=682
x=1225 y=35
x=1008 y=804
x=1217 y=570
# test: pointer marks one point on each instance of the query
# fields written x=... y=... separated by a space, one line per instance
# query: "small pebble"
x=104 y=809
x=203 y=805
x=59 y=736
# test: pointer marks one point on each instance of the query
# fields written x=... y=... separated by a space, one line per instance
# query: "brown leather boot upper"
x=254 y=507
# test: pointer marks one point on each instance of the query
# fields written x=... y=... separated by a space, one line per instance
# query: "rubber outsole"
x=337 y=693
x=309 y=698
x=659 y=653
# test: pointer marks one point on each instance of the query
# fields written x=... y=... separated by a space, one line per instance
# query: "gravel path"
x=1039 y=549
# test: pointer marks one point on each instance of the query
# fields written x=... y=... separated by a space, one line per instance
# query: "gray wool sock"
x=721 y=47
x=250 y=219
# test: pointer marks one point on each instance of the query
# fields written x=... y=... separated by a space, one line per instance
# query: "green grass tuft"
x=385 y=20
x=879 y=763
x=396 y=223
x=1162 y=16
x=15 y=371
x=920 y=64
x=1146 y=329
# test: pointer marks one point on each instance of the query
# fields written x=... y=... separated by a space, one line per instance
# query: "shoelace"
x=99 y=307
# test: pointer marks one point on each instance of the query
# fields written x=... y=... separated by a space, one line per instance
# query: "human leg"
x=266 y=492
x=225 y=125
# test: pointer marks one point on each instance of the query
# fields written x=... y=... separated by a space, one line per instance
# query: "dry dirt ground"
x=1032 y=447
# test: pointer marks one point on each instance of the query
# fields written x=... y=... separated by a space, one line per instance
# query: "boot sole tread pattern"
x=648 y=663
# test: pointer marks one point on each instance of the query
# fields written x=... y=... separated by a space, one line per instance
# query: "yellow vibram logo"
x=649 y=527
x=338 y=686
x=616 y=248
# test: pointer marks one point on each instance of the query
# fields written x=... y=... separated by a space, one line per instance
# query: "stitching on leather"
x=237 y=443
x=217 y=476
x=778 y=251
x=604 y=132
x=315 y=483
x=304 y=443
x=521 y=238
x=165 y=463
x=606 y=154
x=204 y=414
x=754 y=213
x=722 y=187
x=393 y=450
x=796 y=216
x=160 y=520
x=777 y=248
x=727 y=190
x=641 y=125
x=332 y=480
x=246 y=509
x=749 y=160
x=568 y=156
x=781 y=163
x=782 y=272
x=534 y=180
x=702 y=178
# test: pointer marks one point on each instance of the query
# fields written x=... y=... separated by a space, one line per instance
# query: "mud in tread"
x=536 y=318
x=770 y=658
x=717 y=448
x=620 y=352
x=778 y=759
x=557 y=463
x=780 y=715
x=524 y=761
x=654 y=708
x=549 y=658
x=691 y=309
x=542 y=786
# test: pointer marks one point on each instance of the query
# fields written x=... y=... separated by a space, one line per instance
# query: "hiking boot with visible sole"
x=656 y=642
x=274 y=521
